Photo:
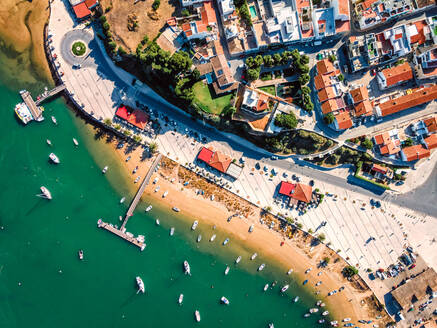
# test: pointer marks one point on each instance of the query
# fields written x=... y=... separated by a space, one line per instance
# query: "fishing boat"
x=346 y=319
x=197 y=315
x=227 y=270
x=194 y=226
x=274 y=283
x=122 y=200
x=199 y=238
x=105 y=169
x=46 y=193
x=155 y=180
x=251 y=228
x=135 y=170
x=76 y=143
x=254 y=255
x=181 y=298
x=307 y=270
x=283 y=289
x=80 y=255
x=149 y=208
x=314 y=310
x=176 y=209
x=140 y=285
x=157 y=189
x=266 y=286
x=319 y=283
x=48 y=142
x=261 y=267
x=321 y=321
x=157 y=222
x=54 y=158
x=23 y=113
x=225 y=241
x=296 y=299
x=165 y=194
x=54 y=120
x=187 y=269
x=224 y=300
x=238 y=259
x=212 y=238
x=137 y=179
x=318 y=302
x=325 y=313
x=289 y=271
x=334 y=323
x=306 y=315
x=128 y=158
x=171 y=231
x=322 y=305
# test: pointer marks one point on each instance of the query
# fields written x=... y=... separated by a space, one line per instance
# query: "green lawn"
x=205 y=101
x=269 y=89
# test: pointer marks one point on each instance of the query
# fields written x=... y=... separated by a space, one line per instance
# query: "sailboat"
x=49 y=142
x=54 y=120
x=45 y=193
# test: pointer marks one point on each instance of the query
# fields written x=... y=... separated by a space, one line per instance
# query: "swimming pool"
x=253 y=12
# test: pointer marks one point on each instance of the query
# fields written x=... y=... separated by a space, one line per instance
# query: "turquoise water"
x=252 y=12
x=43 y=284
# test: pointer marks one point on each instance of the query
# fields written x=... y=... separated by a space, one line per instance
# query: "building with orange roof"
x=81 y=11
x=431 y=141
x=359 y=94
x=363 y=108
x=381 y=172
x=414 y=153
x=431 y=124
x=329 y=106
x=327 y=93
x=299 y=191
x=343 y=121
x=135 y=117
x=325 y=66
x=388 y=143
x=255 y=102
x=395 y=75
x=415 y=98
x=325 y=80
x=203 y=28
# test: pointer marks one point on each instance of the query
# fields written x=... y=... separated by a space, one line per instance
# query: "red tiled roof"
x=343 y=7
x=325 y=66
x=303 y=193
x=205 y=155
x=322 y=81
x=397 y=74
x=220 y=162
x=90 y=3
x=286 y=188
x=326 y=93
x=208 y=13
x=415 y=152
x=367 y=4
x=379 y=168
x=329 y=106
x=81 y=10
x=343 y=120
x=431 y=141
x=359 y=94
x=389 y=148
x=383 y=138
x=416 y=98
x=136 y=117
x=431 y=124
x=364 y=108
x=420 y=36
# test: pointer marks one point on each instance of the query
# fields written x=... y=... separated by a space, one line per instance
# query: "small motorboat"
x=283 y=289
x=224 y=300
x=307 y=270
x=155 y=180
x=212 y=238
x=266 y=287
x=137 y=179
x=197 y=315
x=325 y=313
x=305 y=282
x=334 y=323
x=261 y=267
x=45 y=193
x=238 y=259
x=165 y=194
x=176 y=209
x=157 y=222
x=346 y=319
x=306 y=315
x=199 y=238
x=157 y=188
x=319 y=283
x=122 y=200
x=105 y=169
x=48 y=142
x=314 y=310
x=225 y=241
x=128 y=158
x=296 y=299
x=54 y=158
x=289 y=271
x=187 y=269
x=135 y=170
x=181 y=299
x=251 y=228
x=171 y=231
x=195 y=224
x=149 y=208
x=274 y=283
x=321 y=321
x=227 y=270
x=120 y=218
x=76 y=143
x=254 y=255
x=140 y=285
x=318 y=302
x=80 y=255
x=271 y=325
x=55 y=122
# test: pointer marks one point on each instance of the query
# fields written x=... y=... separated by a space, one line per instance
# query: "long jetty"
x=139 y=241
x=51 y=93
x=140 y=191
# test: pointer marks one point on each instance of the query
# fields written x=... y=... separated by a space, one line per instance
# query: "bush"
x=288 y=121
x=103 y=19
x=407 y=142
x=106 y=26
x=321 y=237
x=299 y=225
x=326 y=259
x=341 y=77
x=349 y=271
x=112 y=45
x=121 y=51
x=367 y=143
x=107 y=121
x=156 y=4
x=153 y=147
x=252 y=74
x=329 y=118
x=78 y=48
x=185 y=12
x=304 y=79
x=332 y=58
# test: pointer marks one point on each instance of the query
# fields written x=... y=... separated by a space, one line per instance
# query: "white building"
x=227 y=8
x=283 y=27
x=186 y=3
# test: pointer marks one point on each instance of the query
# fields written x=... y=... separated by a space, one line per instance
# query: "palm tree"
x=153 y=147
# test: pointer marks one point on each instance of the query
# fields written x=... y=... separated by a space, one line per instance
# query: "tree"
x=127 y=132
x=228 y=111
x=179 y=62
x=105 y=25
x=407 y=142
x=252 y=74
x=329 y=118
x=321 y=237
x=153 y=147
x=341 y=77
x=103 y=19
x=185 y=12
x=305 y=90
x=304 y=59
x=250 y=62
x=310 y=230
x=268 y=60
x=367 y=143
x=258 y=60
x=288 y=121
x=195 y=74
x=156 y=4
x=108 y=121
x=304 y=79
x=277 y=58
x=326 y=259
x=350 y=271
x=332 y=58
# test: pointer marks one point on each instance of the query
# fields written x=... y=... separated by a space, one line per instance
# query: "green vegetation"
x=297 y=142
x=243 y=11
x=332 y=58
x=407 y=142
x=156 y=4
x=287 y=121
x=185 y=12
x=107 y=121
x=254 y=64
x=252 y=74
x=269 y=89
x=228 y=111
x=78 y=48
x=321 y=237
x=329 y=118
x=341 y=77
x=153 y=147
x=349 y=271
x=367 y=143
x=373 y=182
x=203 y=98
x=326 y=259
x=266 y=76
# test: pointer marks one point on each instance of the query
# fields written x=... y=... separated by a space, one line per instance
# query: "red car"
x=282 y=243
x=412 y=266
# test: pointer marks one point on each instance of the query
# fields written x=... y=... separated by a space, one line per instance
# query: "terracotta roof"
x=136 y=117
x=379 y=168
x=383 y=138
x=431 y=124
x=343 y=7
x=420 y=37
x=431 y=141
x=207 y=14
x=205 y=155
x=364 y=108
x=262 y=103
x=398 y=74
x=389 y=148
x=343 y=120
x=204 y=68
x=415 y=152
x=90 y=3
x=416 y=98
x=221 y=70
x=286 y=188
x=220 y=162
x=302 y=192
x=367 y=4
x=322 y=81
x=325 y=66
x=329 y=106
x=81 y=10
x=326 y=93
x=359 y=94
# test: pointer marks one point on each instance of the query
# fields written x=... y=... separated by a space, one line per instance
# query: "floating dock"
x=122 y=234
x=33 y=108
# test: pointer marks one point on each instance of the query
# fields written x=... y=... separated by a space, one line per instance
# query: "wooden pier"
x=122 y=234
x=140 y=191
x=50 y=93
x=34 y=109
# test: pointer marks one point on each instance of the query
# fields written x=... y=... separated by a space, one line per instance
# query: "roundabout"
x=78 y=48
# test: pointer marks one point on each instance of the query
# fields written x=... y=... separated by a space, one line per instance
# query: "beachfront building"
x=414 y=153
x=388 y=143
x=382 y=173
x=296 y=193
x=82 y=8
x=133 y=117
x=256 y=102
x=394 y=76
x=220 y=162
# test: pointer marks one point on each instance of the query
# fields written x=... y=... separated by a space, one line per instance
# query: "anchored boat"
x=45 y=193
x=187 y=269
x=54 y=158
x=140 y=285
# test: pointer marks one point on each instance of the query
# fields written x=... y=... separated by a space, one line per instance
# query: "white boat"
x=318 y=302
x=238 y=259
x=224 y=300
x=314 y=310
x=307 y=270
x=137 y=179
x=266 y=287
x=212 y=238
x=135 y=170
x=140 y=285
x=80 y=255
x=296 y=299
x=155 y=180
x=157 y=189
x=171 y=231
x=120 y=218
x=251 y=228
x=105 y=169
x=128 y=158
x=48 y=142
x=194 y=226
x=199 y=238
x=122 y=200
x=325 y=313
x=334 y=323
x=181 y=298
x=225 y=241
x=306 y=315
x=76 y=143
x=271 y=325
x=197 y=315
x=54 y=158
x=148 y=209
x=289 y=271
x=283 y=289
x=157 y=222
x=319 y=283
x=321 y=321
x=176 y=209
x=227 y=270
x=23 y=113
x=165 y=194
x=253 y=257
x=46 y=193
x=346 y=319
x=54 y=120
x=187 y=269
x=261 y=267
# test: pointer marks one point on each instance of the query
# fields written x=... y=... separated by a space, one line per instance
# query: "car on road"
x=77 y=66
x=311 y=183
x=274 y=158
